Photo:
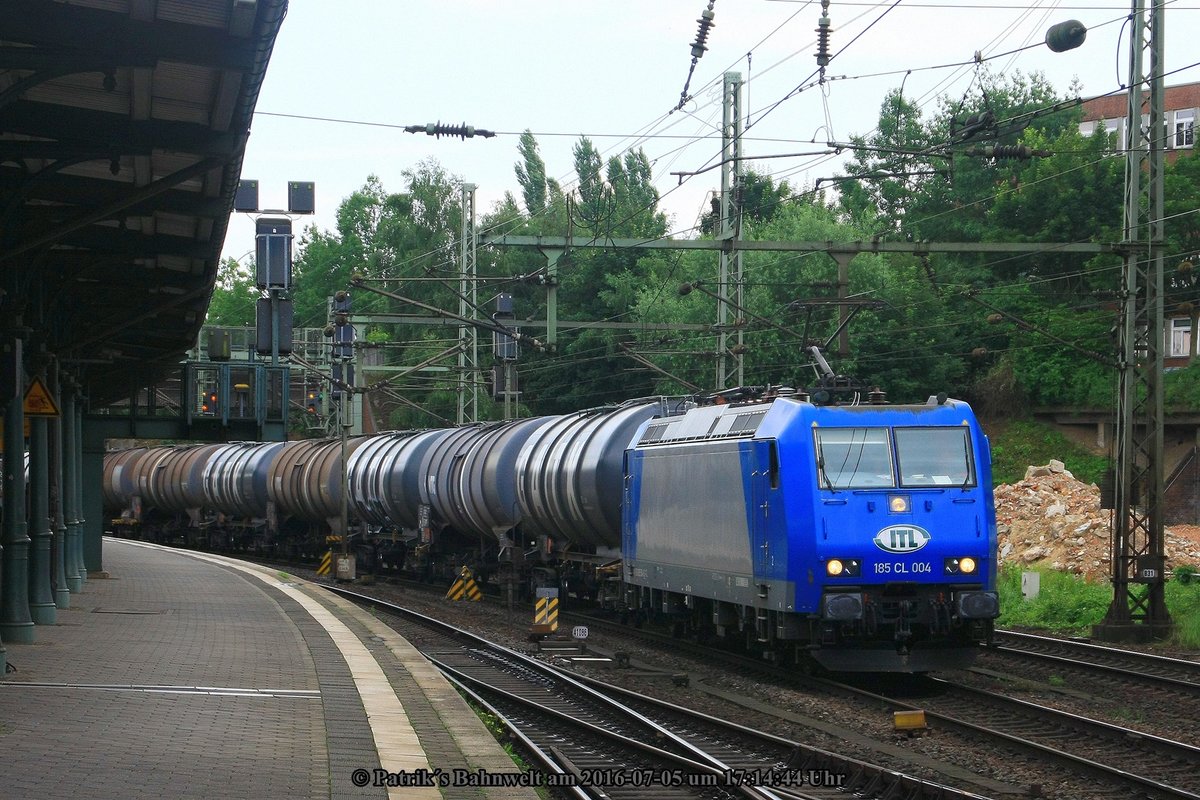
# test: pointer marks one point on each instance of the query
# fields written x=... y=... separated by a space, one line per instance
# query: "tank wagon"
x=863 y=536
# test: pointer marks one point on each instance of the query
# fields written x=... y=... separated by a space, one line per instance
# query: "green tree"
x=761 y=199
x=234 y=296
x=531 y=174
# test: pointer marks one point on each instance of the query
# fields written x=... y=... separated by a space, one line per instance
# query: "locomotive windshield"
x=861 y=458
x=854 y=458
x=934 y=457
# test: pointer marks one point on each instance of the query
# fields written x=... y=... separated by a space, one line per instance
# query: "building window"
x=1179 y=338
x=1185 y=121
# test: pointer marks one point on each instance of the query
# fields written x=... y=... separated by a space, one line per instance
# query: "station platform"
x=187 y=675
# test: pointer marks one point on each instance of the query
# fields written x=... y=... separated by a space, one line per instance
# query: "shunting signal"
x=326 y=563
x=545 y=613
x=465 y=588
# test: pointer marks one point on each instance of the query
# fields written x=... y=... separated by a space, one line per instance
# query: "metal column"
x=71 y=422
x=16 y=625
x=41 y=600
x=1137 y=538
x=731 y=223
x=468 y=335
x=91 y=504
x=62 y=594
x=80 y=510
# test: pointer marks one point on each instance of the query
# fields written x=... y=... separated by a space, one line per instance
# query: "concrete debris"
x=1051 y=519
x=1055 y=467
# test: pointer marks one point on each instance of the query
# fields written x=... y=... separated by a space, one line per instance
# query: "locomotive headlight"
x=898 y=504
x=961 y=566
x=843 y=567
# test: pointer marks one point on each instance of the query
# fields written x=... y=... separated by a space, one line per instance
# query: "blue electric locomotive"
x=864 y=534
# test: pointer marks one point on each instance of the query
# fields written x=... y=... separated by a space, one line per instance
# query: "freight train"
x=859 y=535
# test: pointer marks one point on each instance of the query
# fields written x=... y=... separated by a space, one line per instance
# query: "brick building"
x=1181 y=105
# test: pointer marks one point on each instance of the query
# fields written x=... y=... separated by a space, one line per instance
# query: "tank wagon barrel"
x=385 y=477
x=306 y=477
x=237 y=476
x=481 y=493
x=173 y=479
x=119 y=483
x=569 y=475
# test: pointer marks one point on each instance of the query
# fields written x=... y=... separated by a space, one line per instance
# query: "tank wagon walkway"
x=191 y=676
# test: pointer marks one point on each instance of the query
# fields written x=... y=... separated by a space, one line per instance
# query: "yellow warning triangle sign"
x=38 y=402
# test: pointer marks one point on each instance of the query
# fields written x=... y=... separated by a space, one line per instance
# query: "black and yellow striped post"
x=326 y=563
x=465 y=588
x=545 y=613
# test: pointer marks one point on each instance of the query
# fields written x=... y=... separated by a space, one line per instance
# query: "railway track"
x=1174 y=673
x=1145 y=765
x=1125 y=760
x=601 y=741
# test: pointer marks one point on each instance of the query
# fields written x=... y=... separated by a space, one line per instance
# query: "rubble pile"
x=1051 y=519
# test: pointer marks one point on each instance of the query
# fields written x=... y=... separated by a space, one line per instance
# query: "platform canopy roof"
x=122 y=129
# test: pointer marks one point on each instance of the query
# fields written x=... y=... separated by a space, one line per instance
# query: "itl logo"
x=902 y=539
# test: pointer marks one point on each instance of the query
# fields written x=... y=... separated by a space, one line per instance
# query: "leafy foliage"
x=235 y=295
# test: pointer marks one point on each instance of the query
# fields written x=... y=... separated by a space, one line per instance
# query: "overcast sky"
x=613 y=69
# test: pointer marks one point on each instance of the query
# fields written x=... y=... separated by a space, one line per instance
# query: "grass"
x=1068 y=604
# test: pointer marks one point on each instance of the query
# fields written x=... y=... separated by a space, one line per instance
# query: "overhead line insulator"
x=1007 y=152
x=706 y=24
x=824 y=28
x=462 y=131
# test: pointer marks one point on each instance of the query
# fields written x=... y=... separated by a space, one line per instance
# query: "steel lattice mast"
x=1137 y=538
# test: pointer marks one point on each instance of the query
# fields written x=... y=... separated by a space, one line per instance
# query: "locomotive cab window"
x=935 y=457
x=854 y=458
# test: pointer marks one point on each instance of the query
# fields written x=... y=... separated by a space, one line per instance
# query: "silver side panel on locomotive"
x=699 y=541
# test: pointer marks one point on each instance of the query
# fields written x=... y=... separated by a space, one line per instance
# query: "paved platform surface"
x=189 y=676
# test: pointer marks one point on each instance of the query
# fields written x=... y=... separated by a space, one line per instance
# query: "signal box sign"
x=38 y=400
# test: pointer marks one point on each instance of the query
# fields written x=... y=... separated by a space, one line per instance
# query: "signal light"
x=208 y=403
